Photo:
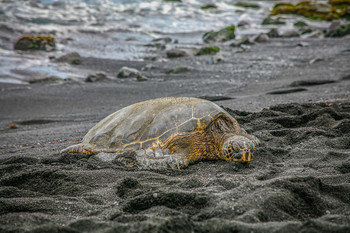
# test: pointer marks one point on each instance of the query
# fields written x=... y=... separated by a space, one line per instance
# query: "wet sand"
x=298 y=181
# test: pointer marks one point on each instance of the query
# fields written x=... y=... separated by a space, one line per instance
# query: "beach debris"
x=97 y=77
x=208 y=50
x=248 y=5
x=73 y=58
x=141 y=78
x=174 y=53
x=260 y=38
x=209 y=6
x=28 y=42
x=333 y=9
x=148 y=129
x=222 y=35
x=180 y=69
x=219 y=57
x=127 y=72
x=46 y=79
x=316 y=59
x=13 y=126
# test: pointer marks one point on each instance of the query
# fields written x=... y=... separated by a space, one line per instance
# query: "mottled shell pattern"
x=150 y=123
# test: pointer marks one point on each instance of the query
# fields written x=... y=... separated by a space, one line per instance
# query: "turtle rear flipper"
x=158 y=159
x=78 y=148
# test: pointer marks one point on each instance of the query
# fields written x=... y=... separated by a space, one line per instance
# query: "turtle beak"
x=243 y=156
x=246 y=157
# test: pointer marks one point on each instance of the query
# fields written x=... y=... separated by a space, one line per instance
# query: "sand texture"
x=298 y=182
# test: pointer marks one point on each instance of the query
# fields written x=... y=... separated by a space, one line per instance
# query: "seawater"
x=117 y=29
x=155 y=16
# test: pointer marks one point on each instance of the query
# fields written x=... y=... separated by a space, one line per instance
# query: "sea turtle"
x=170 y=132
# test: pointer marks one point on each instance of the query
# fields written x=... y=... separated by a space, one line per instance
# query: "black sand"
x=298 y=182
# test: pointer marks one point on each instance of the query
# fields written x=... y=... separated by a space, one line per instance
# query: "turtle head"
x=238 y=149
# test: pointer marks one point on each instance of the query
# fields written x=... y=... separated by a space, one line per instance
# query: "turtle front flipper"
x=78 y=148
x=158 y=159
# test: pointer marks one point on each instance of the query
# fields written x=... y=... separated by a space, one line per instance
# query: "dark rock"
x=273 y=33
x=98 y=77
x=208 y=50
x=300 y=24
x=242 y=23
x=303 y=44
x=174 y=53
x=223 y=35
x=161 y=43
x=248 y=5
x=46 y=43
x=209 y=6
x=245 y=40
x=290 y=33
x=165 y=40
x=305 y=30
x=262 y=37
x=70 y=58
x=332 y=27
x=180 y=69
x=67 y=40
x=346 y=77
x=126 y=72
x=339 y=31
x=271 y=20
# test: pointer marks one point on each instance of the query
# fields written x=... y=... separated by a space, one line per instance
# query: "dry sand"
x=299 y=180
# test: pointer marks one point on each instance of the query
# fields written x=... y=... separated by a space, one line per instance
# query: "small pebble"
x=13 y=126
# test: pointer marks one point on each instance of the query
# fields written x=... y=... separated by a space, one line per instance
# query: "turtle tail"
x=78 y=148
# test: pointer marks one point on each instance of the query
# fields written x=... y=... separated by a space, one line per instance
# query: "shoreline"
x=297 y=182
